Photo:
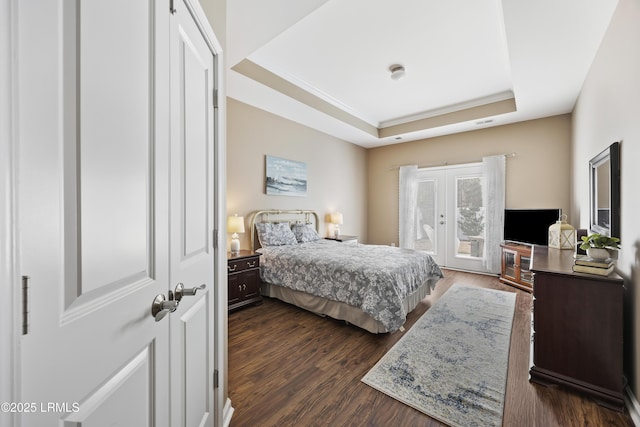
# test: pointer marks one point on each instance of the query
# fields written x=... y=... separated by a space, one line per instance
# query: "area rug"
x=452 y=364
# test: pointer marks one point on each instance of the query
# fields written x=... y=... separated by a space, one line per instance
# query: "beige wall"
x=336 y=170
x=608 y=110
x=216 y=11
x=537 y=177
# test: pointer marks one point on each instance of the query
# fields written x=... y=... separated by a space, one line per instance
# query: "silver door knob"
x=161 y=307
x=181 y=291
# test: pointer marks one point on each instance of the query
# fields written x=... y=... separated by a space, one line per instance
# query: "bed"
x=370 y=286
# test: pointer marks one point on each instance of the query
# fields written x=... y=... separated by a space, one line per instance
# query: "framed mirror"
x=604 y=192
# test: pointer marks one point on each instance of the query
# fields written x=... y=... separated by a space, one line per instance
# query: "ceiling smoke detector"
x=397 y=72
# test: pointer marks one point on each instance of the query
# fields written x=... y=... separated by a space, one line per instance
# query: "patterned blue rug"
x=452 y=364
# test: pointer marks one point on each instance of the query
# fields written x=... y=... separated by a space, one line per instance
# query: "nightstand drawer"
x=240 y=264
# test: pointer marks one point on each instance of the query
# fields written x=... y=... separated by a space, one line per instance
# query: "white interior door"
x=93 y=198
x=450 y=217
x=192 y=221
x=116 y=206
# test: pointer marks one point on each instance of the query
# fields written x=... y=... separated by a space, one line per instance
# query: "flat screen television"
x=529 y=226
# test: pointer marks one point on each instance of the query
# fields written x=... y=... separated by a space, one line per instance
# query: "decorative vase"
x=598 y=253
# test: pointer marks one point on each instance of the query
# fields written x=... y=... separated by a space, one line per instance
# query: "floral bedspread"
x=374 y=278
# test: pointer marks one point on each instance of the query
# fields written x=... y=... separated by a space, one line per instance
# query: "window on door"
x=469 y=217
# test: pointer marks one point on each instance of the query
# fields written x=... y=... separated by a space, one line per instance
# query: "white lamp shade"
x=235 y=224
x=336 y=218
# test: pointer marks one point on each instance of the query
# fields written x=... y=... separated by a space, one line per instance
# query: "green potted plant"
x=598 y=245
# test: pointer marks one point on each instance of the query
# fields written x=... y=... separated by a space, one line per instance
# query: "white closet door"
x=93 y=199
x=192 y=221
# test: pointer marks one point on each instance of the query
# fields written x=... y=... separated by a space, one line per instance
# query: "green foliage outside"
x=471 y=219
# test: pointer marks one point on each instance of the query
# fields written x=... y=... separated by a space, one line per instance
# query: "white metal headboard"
x=277 y=215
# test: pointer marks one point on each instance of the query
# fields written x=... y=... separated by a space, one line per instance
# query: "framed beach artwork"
x=285 y=177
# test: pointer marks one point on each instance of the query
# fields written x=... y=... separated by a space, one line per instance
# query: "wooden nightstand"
x=243 y=269
x=345 y=239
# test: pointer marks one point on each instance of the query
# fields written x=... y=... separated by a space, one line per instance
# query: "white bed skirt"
x=340 y=310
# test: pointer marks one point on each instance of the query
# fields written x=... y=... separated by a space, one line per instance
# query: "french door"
x=450 y=216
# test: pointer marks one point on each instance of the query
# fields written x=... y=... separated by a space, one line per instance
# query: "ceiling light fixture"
x=397 y=71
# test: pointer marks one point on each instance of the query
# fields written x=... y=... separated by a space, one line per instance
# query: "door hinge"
x=215 y=378
x=171 y=8
x=215 y=98
x=215 y=238
x=25 y=305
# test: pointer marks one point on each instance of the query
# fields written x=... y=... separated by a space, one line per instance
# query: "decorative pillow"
x=275 y=234
x=305 y=233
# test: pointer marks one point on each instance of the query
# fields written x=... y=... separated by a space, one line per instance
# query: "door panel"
x=112 y=400
x=196 y=81
x=108 y=150
x=93 y=190
x=195 y=334
x=192 y=219
x=114 y=139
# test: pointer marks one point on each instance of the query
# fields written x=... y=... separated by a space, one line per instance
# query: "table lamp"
x=235 y=225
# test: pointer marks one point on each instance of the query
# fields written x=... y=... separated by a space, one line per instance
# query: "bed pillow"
x=275 y=234
x=305 y=233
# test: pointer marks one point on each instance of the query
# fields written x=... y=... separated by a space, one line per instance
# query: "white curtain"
x=408 y=205
x=493 y=198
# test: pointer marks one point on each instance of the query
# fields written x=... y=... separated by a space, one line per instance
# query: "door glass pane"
x=525 y=273
x=509 y=264
x=469 y=217
x=426 y=216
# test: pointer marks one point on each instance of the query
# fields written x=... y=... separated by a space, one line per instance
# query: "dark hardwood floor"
x=289 y=367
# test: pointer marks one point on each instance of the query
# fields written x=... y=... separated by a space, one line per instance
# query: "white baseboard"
x=632 y=406
x=227 y=413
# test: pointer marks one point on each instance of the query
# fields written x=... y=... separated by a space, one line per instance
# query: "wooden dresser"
x=577 y=328
x=243 y=272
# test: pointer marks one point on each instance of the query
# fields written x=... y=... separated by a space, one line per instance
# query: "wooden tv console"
x=516 y=266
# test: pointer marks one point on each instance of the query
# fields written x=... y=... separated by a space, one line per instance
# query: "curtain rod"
x=432 y=165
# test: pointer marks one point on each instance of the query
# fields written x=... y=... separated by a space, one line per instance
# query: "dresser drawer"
x=241 y=264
